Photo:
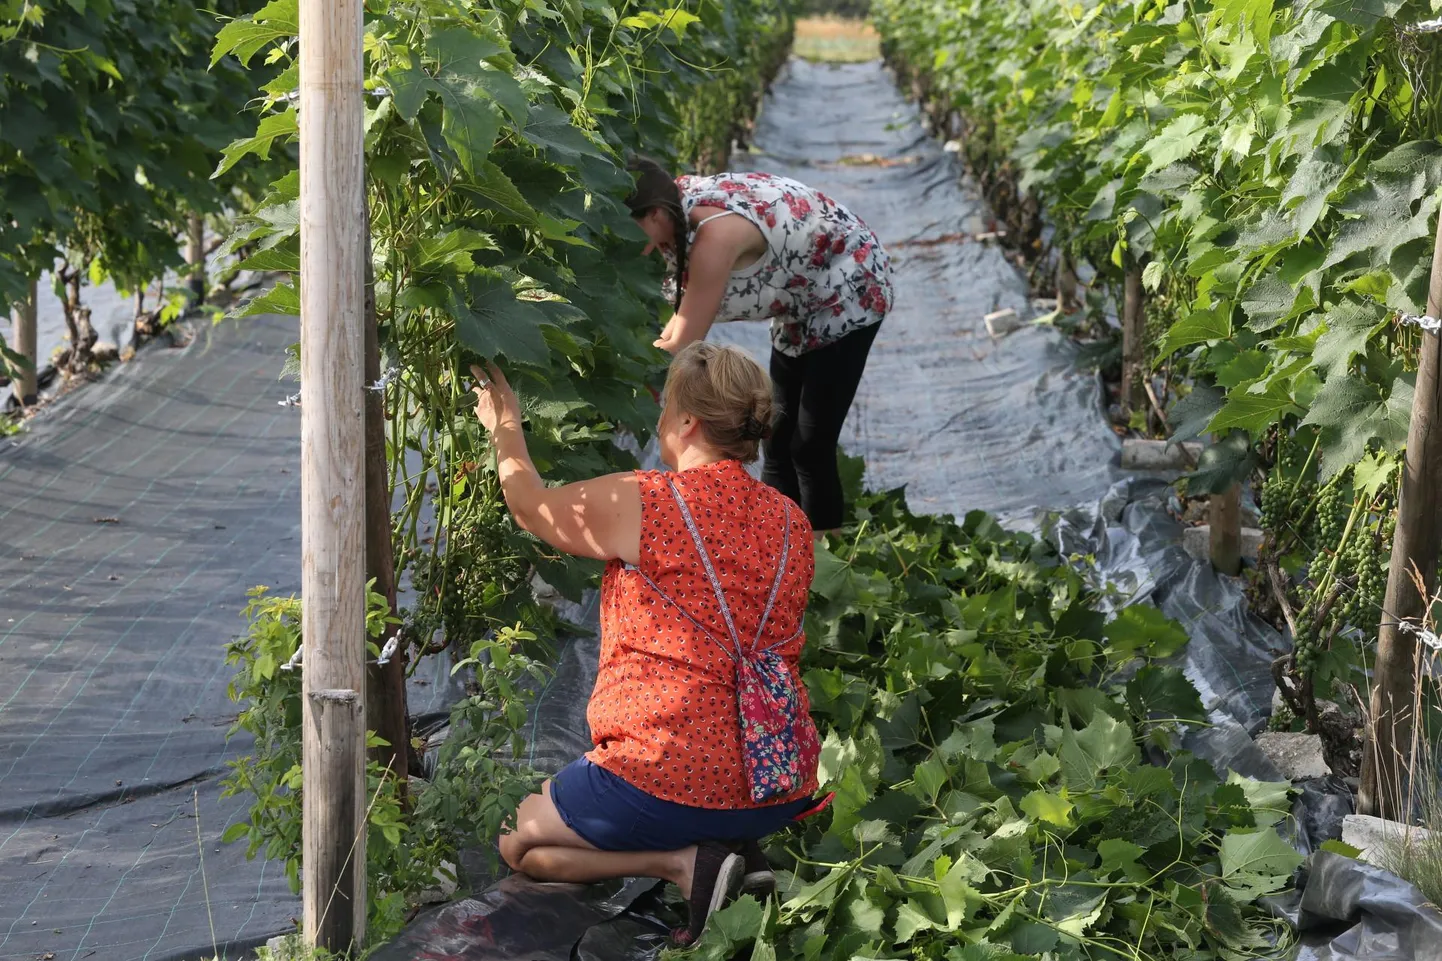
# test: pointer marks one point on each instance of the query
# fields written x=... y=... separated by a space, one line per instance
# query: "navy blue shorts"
x=611 y=814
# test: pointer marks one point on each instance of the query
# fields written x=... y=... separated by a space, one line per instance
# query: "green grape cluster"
x=1304 y=645
x=1276 y=495
x=1333 y=507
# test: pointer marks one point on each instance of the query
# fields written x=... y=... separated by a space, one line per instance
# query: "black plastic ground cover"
x=134 y=516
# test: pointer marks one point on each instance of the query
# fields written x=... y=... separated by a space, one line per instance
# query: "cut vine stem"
x=332 y=315
x=1134 y=322
x=1411 y=579
x=23 y=384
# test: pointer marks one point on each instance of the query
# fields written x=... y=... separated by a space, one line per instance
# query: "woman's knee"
x=513 y=848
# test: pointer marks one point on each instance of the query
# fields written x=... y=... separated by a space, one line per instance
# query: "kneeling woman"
x=702 y=729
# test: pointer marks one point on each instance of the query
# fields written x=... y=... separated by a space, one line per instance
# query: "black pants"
x=813 y=393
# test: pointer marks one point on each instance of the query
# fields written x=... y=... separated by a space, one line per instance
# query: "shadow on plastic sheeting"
x=1350 y=911
x=1137 y=545
x=523 y=919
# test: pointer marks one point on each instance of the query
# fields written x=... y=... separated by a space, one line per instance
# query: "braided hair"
x=656 y=189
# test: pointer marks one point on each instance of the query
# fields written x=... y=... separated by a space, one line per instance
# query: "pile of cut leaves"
x=1007 y=770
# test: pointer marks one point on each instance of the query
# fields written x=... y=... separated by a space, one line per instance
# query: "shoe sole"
x=728 y=884
x=761 y=884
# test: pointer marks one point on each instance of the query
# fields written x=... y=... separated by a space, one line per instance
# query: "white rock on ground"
x=1297 y=756
x=1197 y=541
x=1138 y=453
x=1369 y=834
x=285 y=947
x=445 y=887
x=999 y=323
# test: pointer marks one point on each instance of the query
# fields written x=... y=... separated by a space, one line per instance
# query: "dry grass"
x=836 y=40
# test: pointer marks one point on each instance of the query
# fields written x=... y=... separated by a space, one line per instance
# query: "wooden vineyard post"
x=195 y=256
x=332 y=313
x=1387 y=753
x=23 y=386
x=1225 y=517
x=1134 y=322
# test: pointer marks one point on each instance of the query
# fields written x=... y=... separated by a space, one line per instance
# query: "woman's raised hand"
x=496 y=403
x=668 y=340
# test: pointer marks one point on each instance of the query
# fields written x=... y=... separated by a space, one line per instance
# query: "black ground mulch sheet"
x=135 y=515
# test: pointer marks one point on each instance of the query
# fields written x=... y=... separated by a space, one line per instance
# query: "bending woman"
x=702 y=600
x=753 y=246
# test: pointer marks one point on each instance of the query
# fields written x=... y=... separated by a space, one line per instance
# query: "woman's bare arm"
x=718 y=247
x=598 y=518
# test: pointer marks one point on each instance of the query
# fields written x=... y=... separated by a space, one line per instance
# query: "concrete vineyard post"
x=23 y=386
x=332 y=314
x=1386 y=757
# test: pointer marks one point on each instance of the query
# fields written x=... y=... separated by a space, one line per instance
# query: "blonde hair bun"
x=728 y=392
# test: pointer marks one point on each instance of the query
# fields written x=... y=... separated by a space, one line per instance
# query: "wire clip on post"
x=1430 y=324
x=1424 y=26
x=1425 y=636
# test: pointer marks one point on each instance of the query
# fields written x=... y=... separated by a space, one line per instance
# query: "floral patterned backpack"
x=778 y=740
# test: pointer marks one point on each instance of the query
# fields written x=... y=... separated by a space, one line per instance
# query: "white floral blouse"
x=825 y=274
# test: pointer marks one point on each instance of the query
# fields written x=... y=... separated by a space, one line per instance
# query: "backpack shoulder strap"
x=780 y=571
x=706 y=565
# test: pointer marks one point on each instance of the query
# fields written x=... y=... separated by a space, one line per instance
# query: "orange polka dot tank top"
x=664 y=714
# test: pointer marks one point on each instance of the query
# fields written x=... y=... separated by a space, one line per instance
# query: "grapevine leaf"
x=459 y=51
x=1349 y=326
x=1164 y=692
x=1119 y=856
x=1047 y=806
x=1337 y=846
x=492 y=322
x=1176 y=141
x=1104 y=744
x=470 y=123
x=1381 y=220
x=1256 y=862
x=1227 y=462
x=502 y=197
x=1198 y=327
x=1353 y=413
x=247 y=36
x=1268 y=302
x=1252 y=412
x=550 y=129
x=730 y=930
x=1141 y=628
x=409 y=86
x=280 y=299
x=1236 y=140
x=1373 y=473
x=1192 y=414
x=911 y=919
x=1152 y=275
x=1411 y=157
x=453 y=247
x=1311 y=185
x=1267 y=799
x=270 y=129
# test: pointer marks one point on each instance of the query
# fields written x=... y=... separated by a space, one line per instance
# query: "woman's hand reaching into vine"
x=496 y=403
